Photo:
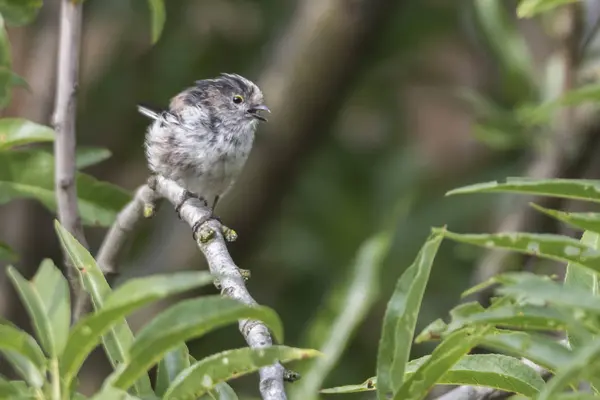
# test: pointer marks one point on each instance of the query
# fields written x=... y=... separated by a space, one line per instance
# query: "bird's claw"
x=185 y=196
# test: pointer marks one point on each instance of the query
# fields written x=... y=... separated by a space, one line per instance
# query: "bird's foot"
x=204 y=234
x=185 y=196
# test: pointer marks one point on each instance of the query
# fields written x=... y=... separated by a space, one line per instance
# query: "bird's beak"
x=255 y=111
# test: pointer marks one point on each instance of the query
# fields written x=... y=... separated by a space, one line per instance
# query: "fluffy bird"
x=204 y=138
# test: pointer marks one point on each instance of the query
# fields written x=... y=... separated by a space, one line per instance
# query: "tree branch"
x=64 y=124
x=212 y=244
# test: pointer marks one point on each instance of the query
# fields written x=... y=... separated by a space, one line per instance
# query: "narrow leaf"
x=443 y=358
x=579 y=189
x=584 y=282
x=53 y=290
x=34 y=304
x=584 y=357
x=18 y=131
x=489 y=370
x=33 y=375
x=7 y=254
x=88 y=156
x=174 y=362
x=111 y=393
x=540 y=349
x=400 y=319
x=205 y=374
x=583 y=221
x=350 y=303
x=20 y=342
x=132 y=295
x=186 y=320
x=530 y=8
x=119 y=337
x=554 y=247
x=157 y=10
x=222 y=391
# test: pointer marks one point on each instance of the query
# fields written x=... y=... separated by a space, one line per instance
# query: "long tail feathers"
x=147 y=112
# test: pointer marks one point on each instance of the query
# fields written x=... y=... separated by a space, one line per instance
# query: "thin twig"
x=64 y=124
x=212 y=244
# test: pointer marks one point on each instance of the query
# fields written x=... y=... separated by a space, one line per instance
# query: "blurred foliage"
x=373 y=168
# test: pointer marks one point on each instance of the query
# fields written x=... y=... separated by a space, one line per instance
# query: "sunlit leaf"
x=20 y=342
x=400 y=319
x=585 y=221
x=443 y=358
x=48 y=306
x=158 y=14
x=88 y=156
x=17 y=131
x=554 y=247
x=132 y=295
x=540 y=349
x=120 y=337
x=488 y=370
x=187 y=320
x=205 y=374
x=579 y=189
x=530 y=8
x=30 y=173
x=349 y=304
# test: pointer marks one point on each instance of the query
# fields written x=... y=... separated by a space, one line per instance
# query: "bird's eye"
x=237 y=99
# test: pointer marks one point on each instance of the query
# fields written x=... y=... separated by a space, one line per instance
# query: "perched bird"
x=203 y=140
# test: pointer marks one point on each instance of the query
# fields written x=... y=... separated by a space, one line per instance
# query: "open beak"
x=255 y=111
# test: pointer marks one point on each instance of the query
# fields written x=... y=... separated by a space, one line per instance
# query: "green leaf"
x=132 y=295
x=584 y=221
x=349 y=304
x=488 y=370
x=7 y=254
x=367 y=386
x=584 y=282
x=170 y=366
x=540 y=349
x=222 y=391
x=579 y=189
x=578 y=367
x=514 y=316
x=111 y=393
x=32 y=374
x=6 y=74
x=445 y=355
x=400 y=319
x=30 y=173
x=15 y=390
x=530 y=8
x=18 y=131
x=88 y=156
x=47 y=306
x=509 y=50
x=20 y=342
x=554 y=247
x=53 y=290
x=19 y=12
x=157 y=9
x=120 y=337
x=187 y=320
x=205 y=374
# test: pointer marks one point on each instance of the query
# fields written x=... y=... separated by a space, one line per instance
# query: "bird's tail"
x=147 y=112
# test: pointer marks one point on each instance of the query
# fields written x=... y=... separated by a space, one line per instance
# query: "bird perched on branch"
x=203 y=140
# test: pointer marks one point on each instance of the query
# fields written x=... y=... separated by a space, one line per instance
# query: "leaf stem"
x=55 y=379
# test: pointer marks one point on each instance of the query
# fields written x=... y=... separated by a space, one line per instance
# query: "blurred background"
x=379 y=108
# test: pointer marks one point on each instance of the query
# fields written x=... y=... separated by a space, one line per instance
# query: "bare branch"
x=64 y=124
x=212 y=244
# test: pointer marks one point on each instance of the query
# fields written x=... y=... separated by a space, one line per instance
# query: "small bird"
x=204 y=138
